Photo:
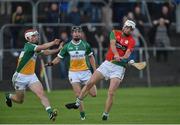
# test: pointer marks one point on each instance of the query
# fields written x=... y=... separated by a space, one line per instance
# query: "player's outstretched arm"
x=47 y=45
x=54 y=62
x=53 y=51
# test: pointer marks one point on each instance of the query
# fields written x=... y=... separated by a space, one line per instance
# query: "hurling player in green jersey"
x=25 y=76
x=81 y=59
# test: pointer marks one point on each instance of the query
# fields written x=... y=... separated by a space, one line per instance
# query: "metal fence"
x=156 y=71
x=159 y=72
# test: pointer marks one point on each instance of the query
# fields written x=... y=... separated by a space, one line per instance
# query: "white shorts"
x=79 y=77
x=21 y=81
x=110 y=70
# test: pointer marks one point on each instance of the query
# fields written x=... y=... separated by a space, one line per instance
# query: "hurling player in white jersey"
x=81 y=59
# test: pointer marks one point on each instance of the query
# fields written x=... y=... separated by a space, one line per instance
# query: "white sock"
x=10 y=96
x=78 y=102
x=105 y=113
x=47 y=108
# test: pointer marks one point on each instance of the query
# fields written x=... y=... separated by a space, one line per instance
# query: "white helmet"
x=130 y=23
x=28 y=33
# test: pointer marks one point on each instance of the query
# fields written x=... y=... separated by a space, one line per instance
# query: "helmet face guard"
x=130 y=23
x=76 y=28
x=29 y=33
x=74 y=31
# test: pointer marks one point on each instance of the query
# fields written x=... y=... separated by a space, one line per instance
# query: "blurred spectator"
x=63 y=12
x=90 y=11
x=165 y=14
x=17 y=18
x=177 y=1
x=63 y=64
x=107 y=16
x=85 y=11
x=52 y=17
x=161 y=37
x=83 y=36
x=53 y=14
x=140 y=19
x=124 y=18
x=71 y=5
x=130 y=16
x=74 y=16
x=96 y=14
x=44 y=15
x=64 y=36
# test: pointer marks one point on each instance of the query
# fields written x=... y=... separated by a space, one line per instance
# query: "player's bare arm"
x=93 y=62
x=127 y=54
x=57 y=59
x=114 y=50
x=53 y=51
x=47 y=45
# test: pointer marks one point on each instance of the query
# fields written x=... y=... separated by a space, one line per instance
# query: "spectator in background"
x=53 y=17
x=159 y=34
x=62 y=64
x=107 y=16
x=86 y=8
x=44 y=15
x=140 y=19
x=96 y=14
x=64 y=36
x=91 y=13
x=63 y=6
x=165 y=14
x=74 y=16
x=161 y=37
x=71 y=5
x=83 y=36
x=130 y=15
x=18 y=17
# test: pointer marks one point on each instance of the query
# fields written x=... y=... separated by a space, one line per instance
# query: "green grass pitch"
x=131 y=105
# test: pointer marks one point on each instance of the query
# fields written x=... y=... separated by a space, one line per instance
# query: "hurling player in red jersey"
x=113 y=68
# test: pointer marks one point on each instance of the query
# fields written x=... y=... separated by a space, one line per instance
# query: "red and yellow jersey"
x=123 y=43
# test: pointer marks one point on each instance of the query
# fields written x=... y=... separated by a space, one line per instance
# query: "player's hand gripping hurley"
x=137 y=65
